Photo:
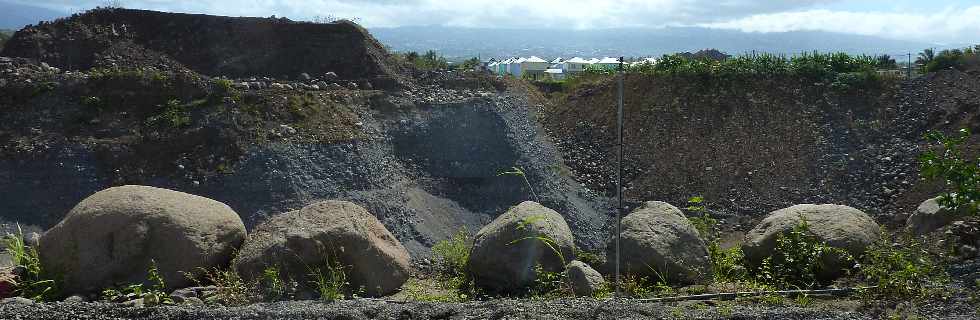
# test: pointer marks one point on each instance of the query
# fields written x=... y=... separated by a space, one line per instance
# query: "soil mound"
x=211 y=45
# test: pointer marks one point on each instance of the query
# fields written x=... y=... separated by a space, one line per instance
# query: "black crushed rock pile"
x=211 y=45
x=755 y=146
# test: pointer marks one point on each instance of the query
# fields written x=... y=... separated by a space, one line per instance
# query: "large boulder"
x=340 y=233
x=658 y=242
x=930 y=216
x=584 y=281
x=111 y=237
x=835 y=225
x=506 y=251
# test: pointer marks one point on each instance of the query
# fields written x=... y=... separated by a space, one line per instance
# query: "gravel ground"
x=497 y=309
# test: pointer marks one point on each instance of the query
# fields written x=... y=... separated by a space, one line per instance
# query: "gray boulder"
x=112 y=236
x=336 y=232
x=506 y=251
x=660 y=243
x=836 y=225
x=584 y=280
x=930 y=216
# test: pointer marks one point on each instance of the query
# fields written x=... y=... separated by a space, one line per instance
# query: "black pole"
x=619 y=171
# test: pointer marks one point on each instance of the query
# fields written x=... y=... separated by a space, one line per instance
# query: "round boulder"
x=837 y=226
x=658 y=242
x=930 y=216
x=584 y=280
x=506 y=251
x=113 y=236
x=339 y=233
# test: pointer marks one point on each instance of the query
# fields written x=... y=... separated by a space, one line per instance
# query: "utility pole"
x=619 y=171
x=909 y=71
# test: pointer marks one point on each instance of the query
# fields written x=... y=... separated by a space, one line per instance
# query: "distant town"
x=557 y=69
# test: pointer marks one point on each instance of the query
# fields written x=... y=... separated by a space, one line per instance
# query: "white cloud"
x=948 y=25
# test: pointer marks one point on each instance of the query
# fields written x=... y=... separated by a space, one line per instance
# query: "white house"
x=574 y=65
x=533 y=67
x=608 y=63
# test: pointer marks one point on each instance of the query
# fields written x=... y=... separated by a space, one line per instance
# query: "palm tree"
x=925 y=57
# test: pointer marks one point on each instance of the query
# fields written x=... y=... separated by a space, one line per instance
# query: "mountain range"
x=459 y=43
x=630 y=42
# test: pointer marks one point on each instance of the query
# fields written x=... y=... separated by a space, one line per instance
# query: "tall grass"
x=34 y=282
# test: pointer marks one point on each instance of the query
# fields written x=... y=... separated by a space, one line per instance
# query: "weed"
x=173 y=114
x=588 y=258
x=271 y=284
x=93 y=102
x=726 y=264
x=232 y=290
x=155 y=294
x=517 y=171
x=35 y=282
x=901 y=270
x=330 y=280
x=453 y=254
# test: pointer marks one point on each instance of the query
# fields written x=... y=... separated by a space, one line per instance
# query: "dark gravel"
x=498 y=309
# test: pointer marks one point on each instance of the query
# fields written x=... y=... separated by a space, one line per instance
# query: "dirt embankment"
x=135 y=97
x=761 y=144
x=211 y=45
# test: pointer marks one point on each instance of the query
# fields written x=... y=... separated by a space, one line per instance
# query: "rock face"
x=658 y=237
x=336 y=231
x=584 y=280
x=837 y=225
x=930 y=216
x=111 y=237
x=506 y=251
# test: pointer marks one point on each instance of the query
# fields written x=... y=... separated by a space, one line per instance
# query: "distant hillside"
x=15 y=16
x=470 y=42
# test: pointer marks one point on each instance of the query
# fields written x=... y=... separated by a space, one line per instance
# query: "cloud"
x=948 y=25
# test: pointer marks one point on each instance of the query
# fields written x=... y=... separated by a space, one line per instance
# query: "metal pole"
x=910 y=66
x=619 y=171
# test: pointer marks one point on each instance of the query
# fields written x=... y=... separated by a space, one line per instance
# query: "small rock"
x=584 y=280
x=75 y=299
x=193 y=301
x=138 y=303
x=17 y=300
x=330 y=75
x=304 y=76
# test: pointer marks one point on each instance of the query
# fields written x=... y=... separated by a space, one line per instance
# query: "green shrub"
x=35 y=281
x=452 y=255
x=952 y=167
x=901 y=270
x=271 y=284
x=797 y=259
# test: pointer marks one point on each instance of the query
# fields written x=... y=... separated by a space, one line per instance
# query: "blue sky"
x=953 y=21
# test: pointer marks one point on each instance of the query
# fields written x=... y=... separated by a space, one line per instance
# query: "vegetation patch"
x=34 y=281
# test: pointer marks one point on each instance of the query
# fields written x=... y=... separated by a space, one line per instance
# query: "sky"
x=936 y=21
